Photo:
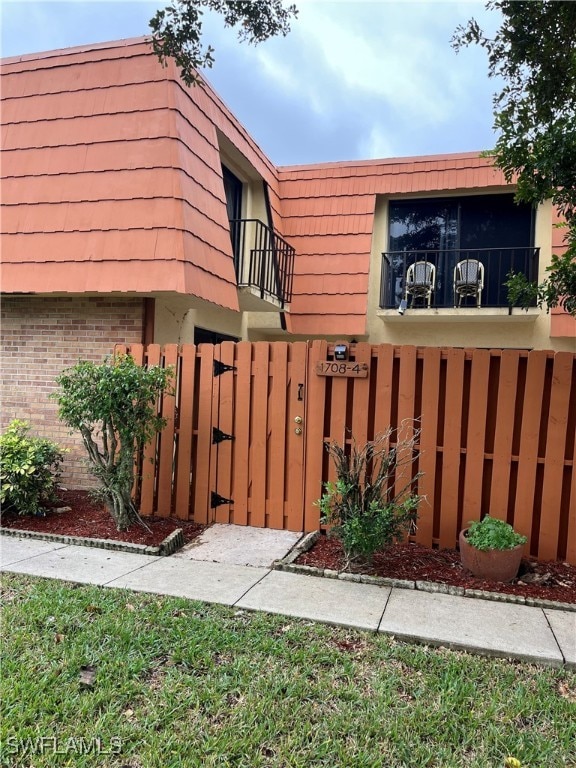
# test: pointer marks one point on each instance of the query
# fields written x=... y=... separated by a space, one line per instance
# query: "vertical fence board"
x=571 y=533
x=166 y=452
x=361 y=397
x=183 y=468
x=259 y=430
x=338 y=431
x=451 y=448
x=295 y=474
x=406 y=413
x=202 y=510
x=221 y=513
x=406 y=392
x=314 y=420
x=555 y=450
x=149 y=467
x=529 y=440
x=505 y=415
x=223 y=453
x=476 y=436
x=277 y=427
x=384 y=379
x=136 y=351
x=428 y=443
x=242 y=463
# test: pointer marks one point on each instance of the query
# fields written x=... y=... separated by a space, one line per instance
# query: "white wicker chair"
x=420 y=281
x=468 y=281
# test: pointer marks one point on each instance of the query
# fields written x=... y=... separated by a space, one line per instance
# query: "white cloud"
x=376 y=144
x=352 y=79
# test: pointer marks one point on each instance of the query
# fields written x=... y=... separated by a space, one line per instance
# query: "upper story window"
x=437 y=224
x=448 y=237
x=233 y=191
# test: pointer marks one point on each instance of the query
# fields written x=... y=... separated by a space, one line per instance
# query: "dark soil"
x=91 y=519
x=545 y=581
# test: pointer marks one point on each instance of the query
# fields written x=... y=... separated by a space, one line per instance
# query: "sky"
x=352 y=80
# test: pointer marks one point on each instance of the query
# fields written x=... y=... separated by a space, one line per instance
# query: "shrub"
x=372 y=503
x=521 y=291
x=491 y=533
x=113 y=405
x=29 y=470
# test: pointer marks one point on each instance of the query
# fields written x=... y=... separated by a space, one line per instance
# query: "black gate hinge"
x=218 y=436
x=220 y=368
x=216 y=500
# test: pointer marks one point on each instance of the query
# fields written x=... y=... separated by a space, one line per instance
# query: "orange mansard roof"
x=112 y=182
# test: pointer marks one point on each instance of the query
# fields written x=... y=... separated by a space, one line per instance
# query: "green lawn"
x=181 y=684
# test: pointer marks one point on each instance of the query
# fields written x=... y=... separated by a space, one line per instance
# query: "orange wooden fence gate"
x=247 y=424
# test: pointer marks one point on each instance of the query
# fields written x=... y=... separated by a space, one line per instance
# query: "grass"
x=180 y=683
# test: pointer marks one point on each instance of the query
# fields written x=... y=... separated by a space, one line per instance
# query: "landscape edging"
x=172 y=543
x=288 y=564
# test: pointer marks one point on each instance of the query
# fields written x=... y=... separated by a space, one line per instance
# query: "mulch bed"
x=91 y=519
x=543 y=581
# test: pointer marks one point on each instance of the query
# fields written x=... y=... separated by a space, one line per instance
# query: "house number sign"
x=338 y=368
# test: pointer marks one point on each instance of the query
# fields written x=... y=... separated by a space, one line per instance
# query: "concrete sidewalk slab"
x=211 y=582
x=499 y=629
x=13 y=550
x=81 y=564
x=563 y=624
x=240 y=545
x=328 y=600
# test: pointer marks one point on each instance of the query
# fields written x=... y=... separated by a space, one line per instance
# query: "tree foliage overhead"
x=177 y=29
x=534 y=52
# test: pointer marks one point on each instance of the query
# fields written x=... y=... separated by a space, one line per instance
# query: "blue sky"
x=353 y=80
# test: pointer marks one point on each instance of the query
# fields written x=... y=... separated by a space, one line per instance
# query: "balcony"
x=497 y=262
x=264 y=265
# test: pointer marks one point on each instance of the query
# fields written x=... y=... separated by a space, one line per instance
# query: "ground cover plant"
x=29 y=470
x=169 y=682
x=372 y=504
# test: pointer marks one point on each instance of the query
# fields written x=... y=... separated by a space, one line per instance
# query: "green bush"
x=372 y=503
x=113 y=406
x=29 y=470
x=491 y=533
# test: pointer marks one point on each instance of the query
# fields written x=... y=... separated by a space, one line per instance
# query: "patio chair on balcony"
x=468 y=281
x=420 y=281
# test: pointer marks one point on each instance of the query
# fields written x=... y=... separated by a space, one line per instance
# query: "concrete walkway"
x=543 y=636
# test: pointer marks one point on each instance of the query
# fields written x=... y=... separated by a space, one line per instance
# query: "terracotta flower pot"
x=490 y=564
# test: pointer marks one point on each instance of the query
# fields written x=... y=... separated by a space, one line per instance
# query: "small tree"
x=372 y=503
x=113 y=405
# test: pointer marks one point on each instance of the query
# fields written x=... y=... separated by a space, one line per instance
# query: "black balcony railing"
x=498 y=262
x=263 y=259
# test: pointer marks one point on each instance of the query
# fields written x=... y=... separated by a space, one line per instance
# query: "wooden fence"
x=246 y=428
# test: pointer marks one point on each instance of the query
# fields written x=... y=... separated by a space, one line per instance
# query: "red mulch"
x=91 y=519
x=545 y=581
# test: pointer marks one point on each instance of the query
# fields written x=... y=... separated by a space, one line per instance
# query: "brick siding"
x=40 y=337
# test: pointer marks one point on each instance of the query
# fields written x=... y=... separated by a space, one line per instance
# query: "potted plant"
x=491 y=549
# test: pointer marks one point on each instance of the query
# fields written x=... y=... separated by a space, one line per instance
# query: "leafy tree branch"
x=534 y=53
x=177 y=29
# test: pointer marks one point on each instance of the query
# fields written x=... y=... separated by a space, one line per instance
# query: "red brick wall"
x=41 y=336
